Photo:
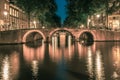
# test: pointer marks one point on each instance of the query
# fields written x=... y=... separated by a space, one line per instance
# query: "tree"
x=43 y=10
x=78 y=11
x=46 y=12
x=28 y=6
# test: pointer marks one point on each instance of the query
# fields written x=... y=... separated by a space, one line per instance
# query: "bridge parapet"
x=19 y=36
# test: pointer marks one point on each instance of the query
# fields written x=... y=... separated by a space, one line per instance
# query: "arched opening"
x=33 y=38
x=86 y=38
x=61 y=38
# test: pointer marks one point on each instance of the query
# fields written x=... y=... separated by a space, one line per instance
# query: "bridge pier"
x=47 y=40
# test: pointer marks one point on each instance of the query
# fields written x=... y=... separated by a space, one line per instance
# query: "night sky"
x=61 y=9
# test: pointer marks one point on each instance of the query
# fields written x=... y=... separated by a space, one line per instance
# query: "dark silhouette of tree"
x=28 y=6
x=43 y=10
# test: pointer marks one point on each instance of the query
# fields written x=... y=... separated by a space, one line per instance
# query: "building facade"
x=114 y=20
x=12 y=17
x=108 y=21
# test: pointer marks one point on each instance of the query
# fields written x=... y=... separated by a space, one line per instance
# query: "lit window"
x=10 y=11
x=13 y=12
x=5 y=6
x=17 y=13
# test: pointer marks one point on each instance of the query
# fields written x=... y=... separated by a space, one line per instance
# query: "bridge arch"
x=32 y=31
x=60 y=29
x=87 y=32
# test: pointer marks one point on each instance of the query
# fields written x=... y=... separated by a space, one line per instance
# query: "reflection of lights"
x=62 y=39
x=116 y=55
x=99 y=67
x=14 y=62
x=116 y=61
x=5 y=69
x=54 y=43
x=90 y=62
x=54 y=52
x=35 y=67
x=69 y=45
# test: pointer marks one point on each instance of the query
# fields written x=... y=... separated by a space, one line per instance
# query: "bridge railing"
x=8 y=28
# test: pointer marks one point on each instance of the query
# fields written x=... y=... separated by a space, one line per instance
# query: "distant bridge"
x=24 y=35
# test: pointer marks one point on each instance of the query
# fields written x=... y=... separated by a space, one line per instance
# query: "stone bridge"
x=24 y=35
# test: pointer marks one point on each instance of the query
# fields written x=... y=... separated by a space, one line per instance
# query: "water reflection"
x=95 y=65
x=31 y=54
x=56 y=51
x=35 y=68
x=90 y=63
x=116 y=62
x=99 y=69
x=6 y=69
x=10 y=67
x=101 y=61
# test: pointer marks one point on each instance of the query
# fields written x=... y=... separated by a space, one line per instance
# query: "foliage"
x=43 y=10
x=78 y=11
x=27 y=6
x=113 y=6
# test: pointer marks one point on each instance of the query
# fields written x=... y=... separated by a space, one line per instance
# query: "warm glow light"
x=116 y=61
x=69 y=45
x=82 y=26
x=97 y=15
x=34 y=22
x=54 y=51
x=5 y=72
x=90 y=62
x=35 y=67
x=99 y=70
x=89 y=20
x=43 y=27
x=5 y=13
x=31 y=54
x=62 y=39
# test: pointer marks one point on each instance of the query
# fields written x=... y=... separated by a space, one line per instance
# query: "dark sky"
x=61 y=9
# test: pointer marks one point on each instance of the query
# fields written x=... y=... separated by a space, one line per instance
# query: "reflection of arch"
x=31 y=31
x=31 y=54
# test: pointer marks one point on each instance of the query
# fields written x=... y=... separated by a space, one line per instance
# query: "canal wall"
x=102 y=35
x=7 y=37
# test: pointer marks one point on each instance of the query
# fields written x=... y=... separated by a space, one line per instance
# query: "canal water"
x=99 y=61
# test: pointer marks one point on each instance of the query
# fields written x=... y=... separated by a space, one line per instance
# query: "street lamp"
x=88 y=23
x=98 y=16
x=34 y=22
